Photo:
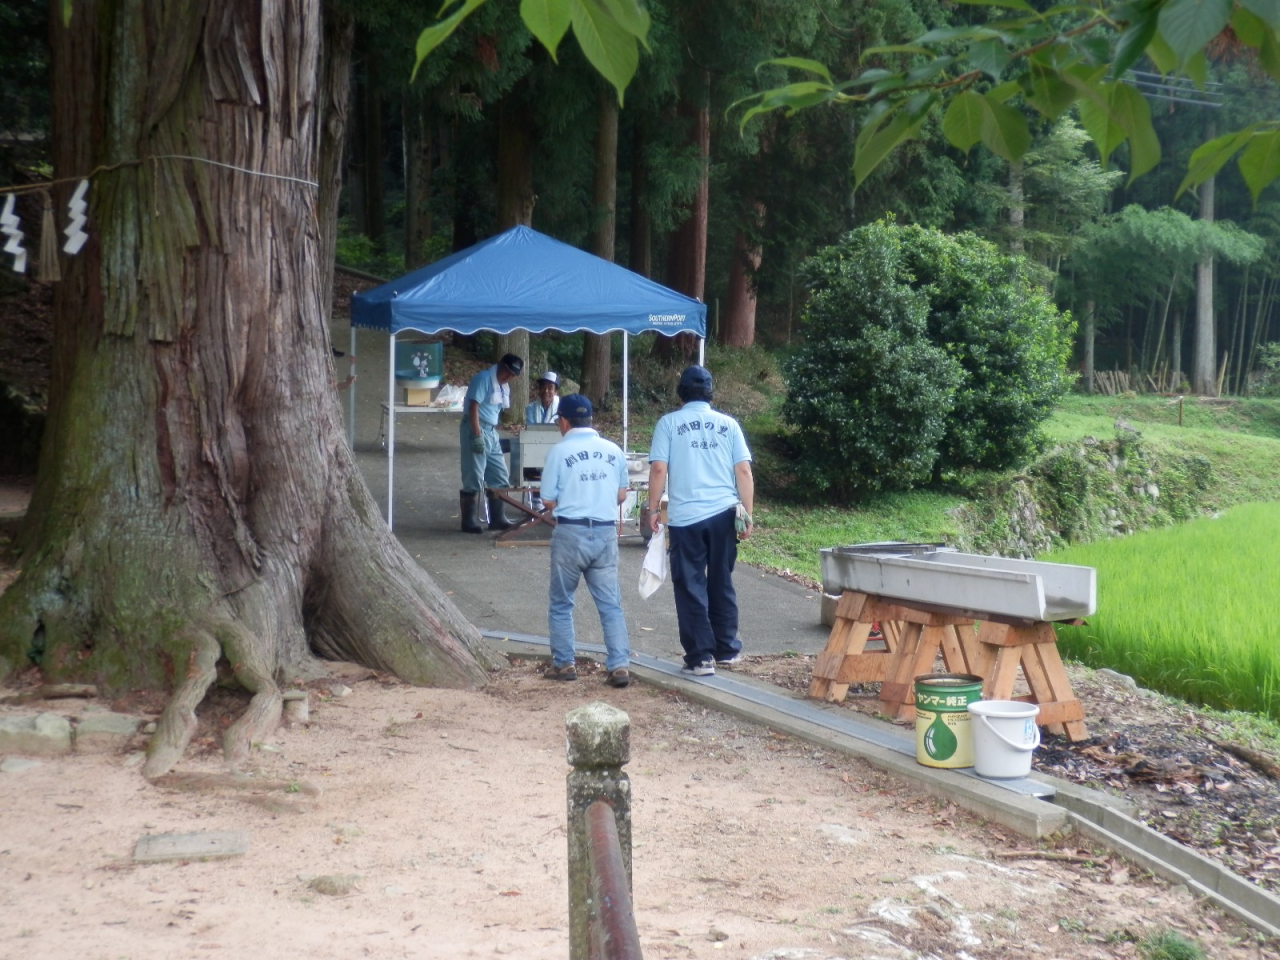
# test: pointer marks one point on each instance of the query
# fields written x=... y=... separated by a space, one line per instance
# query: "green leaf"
x=66 y=13
x=1133 y=42
x=1208 y=158
x=1048 y=92
x=1267 y=10
x=1248 y=27
x=548 y=20
x=800 y=63
x=947 y=34
x=897 y=48
x=871 y=150
x=1004 y=131
x=1197 y=69
x=438 y=33
x=1165 y=60
x=632 y=17
x=1095 y=117
x=962 y=123
x=1269 y=54
x=607 y=45
x=990 y=57
x=1007 y=4
x=1004 y=91
x=1187 y=25
x=792 y=97
x=1132 y=114
x=1260 y=162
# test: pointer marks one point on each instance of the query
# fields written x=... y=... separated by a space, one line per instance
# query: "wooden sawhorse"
x=915 y=634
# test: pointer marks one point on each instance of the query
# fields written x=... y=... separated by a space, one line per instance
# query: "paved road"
x=505 y=588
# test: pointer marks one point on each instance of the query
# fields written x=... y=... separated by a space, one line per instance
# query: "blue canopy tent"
x=521 y=280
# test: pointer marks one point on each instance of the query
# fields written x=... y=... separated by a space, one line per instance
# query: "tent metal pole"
x=351 y=393
x=626 y=384
x=702 y=351
x=391 y=424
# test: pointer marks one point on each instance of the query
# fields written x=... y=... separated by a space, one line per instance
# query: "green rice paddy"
x=1192 y=610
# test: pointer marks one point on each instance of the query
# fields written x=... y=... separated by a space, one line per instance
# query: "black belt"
x=585 y=522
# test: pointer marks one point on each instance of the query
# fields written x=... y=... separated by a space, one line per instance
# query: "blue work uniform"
x=701 y=448
x=536 y=413
x=583 y=476
x=488 y=469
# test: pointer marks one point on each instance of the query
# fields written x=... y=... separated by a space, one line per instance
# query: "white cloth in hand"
x=654 y=569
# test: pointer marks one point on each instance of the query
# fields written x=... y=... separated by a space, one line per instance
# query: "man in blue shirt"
x=700 y=457
x=483 y=464
x=547 y=407
x=584 y=480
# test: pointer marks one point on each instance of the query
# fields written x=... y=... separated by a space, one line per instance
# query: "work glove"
x=477 y=444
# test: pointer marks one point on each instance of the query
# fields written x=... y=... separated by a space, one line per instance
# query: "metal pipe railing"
x=611 y=920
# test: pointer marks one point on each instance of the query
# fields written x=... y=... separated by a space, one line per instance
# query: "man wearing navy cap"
x=583 y=481
x=483 y=464
x=700 y=457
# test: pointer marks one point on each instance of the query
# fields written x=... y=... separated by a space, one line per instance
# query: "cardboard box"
x=414 y=397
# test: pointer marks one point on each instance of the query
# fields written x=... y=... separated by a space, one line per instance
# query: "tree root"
x=177 y=724
x=262 y=716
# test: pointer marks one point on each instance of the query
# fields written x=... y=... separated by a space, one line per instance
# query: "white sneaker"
x=731 y=662
x=704 y=669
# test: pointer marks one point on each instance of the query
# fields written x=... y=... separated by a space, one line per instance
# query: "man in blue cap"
x=483 y=464
x=700 y=457
x=583 y=481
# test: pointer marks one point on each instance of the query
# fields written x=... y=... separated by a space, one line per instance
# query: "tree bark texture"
x=337 y=41
x=641 y=223
x=417 y=179
x=738 y=326
x=195 y=498
x=597 y=353
x=516 y=200
x=1204 y=379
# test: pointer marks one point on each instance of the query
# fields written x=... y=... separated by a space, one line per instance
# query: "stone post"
x=598 y=743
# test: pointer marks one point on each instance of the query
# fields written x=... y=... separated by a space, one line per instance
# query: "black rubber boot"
x=497 y=519
x=467 y=503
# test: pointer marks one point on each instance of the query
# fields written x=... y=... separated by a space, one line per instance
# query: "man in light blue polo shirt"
x=583 y=481
x=700 y=457
x=483 y=465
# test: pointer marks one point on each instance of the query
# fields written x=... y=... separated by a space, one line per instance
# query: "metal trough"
x=929 y=573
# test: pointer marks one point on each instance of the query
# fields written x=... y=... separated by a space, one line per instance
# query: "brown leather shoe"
x=567 y=672
x=618 y=678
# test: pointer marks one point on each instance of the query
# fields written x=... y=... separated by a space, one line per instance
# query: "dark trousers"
x=702 y=558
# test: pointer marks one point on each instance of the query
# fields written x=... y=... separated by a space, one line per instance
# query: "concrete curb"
x=1102 y=817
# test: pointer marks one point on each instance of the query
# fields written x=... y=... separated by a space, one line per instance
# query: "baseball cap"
x=699 y=378
x=550 y=377
x=513 y=364
x=575 y=407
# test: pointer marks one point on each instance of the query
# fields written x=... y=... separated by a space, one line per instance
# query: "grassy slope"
x=1241 y=440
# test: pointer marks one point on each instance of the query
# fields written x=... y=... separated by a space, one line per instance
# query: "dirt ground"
x=438 y=818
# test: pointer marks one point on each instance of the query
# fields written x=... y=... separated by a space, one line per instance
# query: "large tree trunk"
x=1204 y=376
x=374 y=225
x=195 y=498
x=1090 y=334
x=417 y=179
x=641 y=238
x=515 y=208
x=738 y=327
x=687 y=252
x=597 y=349
x=334 y=95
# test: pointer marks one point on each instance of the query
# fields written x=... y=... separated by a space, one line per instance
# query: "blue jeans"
x=702 y=557
x=589 y=553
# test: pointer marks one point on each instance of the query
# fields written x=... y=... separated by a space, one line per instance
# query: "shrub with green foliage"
x=1006 y=334
x=867 y=394
x=924 y=354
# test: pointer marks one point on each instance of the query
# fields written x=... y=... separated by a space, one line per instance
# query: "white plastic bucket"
x=1004 y=735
